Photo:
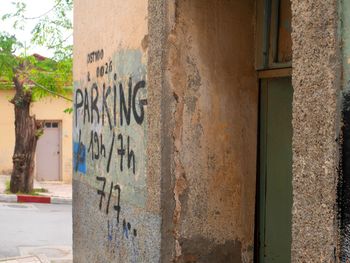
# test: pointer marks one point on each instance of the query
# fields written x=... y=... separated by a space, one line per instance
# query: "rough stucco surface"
x=210 y=71
x=161 y=105
x=97 y=237
x=116 y=184
x=316 y=82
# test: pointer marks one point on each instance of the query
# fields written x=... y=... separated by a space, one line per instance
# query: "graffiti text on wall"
x=108 y=108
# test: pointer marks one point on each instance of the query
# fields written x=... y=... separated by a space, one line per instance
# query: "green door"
x=275 y=178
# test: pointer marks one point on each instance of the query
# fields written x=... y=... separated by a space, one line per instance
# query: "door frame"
x=267 y=22
x=60 y=177
x=262 y=75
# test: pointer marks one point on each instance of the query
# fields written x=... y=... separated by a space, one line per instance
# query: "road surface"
x=27 y=229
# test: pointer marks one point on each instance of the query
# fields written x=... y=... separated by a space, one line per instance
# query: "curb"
x=19 y=259
x=12 y=198
x=22 y=259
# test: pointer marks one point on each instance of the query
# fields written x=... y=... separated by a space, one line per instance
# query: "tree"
x=34 y=78
x=53 y=28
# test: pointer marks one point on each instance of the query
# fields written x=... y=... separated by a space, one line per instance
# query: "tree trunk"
x=26 y=131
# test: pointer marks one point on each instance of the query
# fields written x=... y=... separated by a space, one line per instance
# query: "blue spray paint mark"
x=79 y=157
x=125 y=229
x=110 y=230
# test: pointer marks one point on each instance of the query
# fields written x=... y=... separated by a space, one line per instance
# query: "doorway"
x=275 y=170
x=48 y=154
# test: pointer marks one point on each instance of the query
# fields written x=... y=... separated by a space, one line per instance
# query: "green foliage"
x=39 y=132
x=8 y=62
x=40 y=77
x=54 y=76
x=68 y=110
x=20 y=8
x=52 y=29
x=7 y=186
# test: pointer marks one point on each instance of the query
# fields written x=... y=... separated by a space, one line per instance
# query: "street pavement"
x=43 y=231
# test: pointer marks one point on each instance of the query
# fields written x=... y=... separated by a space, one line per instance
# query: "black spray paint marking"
x=109 y=198
x=117 y=207
x=112 y=188
x=127 y=229
x=129 y=106
x=130 y=154
x=96 y=146
x=105 y=106
x=125 y=109
x=94 y=100
x=104 y=69
x=110 y=153
x=77 y=105
x=138 y=118
x=86 y=106
x=101 y=192
x=95 y=56
x=121 y=151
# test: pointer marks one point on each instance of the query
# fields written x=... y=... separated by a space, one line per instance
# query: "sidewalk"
x=21 y=260
x=25 y=259
x=58 y=192
x=65 y=257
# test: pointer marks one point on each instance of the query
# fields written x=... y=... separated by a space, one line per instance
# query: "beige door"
x=48 y=153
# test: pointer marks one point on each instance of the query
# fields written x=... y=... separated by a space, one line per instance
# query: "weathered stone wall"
x=211 y=76
x=316 y=83
x=116 y=187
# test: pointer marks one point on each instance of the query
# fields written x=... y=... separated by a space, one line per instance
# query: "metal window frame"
x=267 y=36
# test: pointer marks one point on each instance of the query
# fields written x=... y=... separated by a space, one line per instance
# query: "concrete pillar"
x=316 y=121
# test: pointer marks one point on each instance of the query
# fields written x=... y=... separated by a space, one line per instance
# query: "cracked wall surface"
x=179 y=86
x=210 y=72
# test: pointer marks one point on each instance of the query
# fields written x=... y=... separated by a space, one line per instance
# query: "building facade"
x=211 y=131
x=53 y=161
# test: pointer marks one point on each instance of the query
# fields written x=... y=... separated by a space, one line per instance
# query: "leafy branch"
x=53 y=28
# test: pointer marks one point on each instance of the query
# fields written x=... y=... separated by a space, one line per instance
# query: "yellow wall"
x=46 y=109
